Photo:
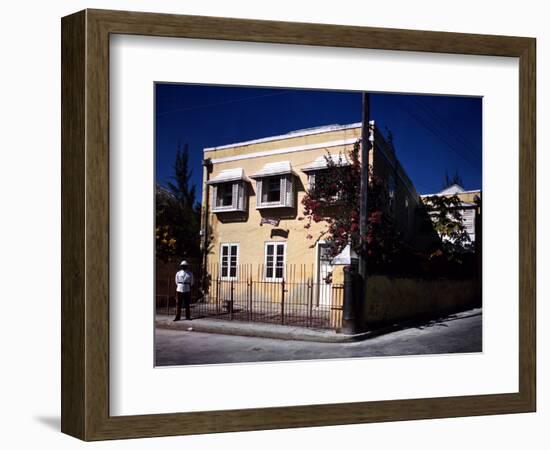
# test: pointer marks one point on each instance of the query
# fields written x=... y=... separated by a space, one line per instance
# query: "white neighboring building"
x=469 y=207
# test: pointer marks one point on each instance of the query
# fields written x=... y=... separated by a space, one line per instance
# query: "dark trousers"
x=184 y=300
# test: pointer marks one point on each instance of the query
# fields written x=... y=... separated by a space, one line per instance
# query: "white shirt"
x=184 y=281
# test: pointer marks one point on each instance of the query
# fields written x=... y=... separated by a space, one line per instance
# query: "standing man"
x=184 y=281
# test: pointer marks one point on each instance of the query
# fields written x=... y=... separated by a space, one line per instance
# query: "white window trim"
x=283 y=202
x=281 y=192
x=234 y=207
x=274 y=278
x=229 y=245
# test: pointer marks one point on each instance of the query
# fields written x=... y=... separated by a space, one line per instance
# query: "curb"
x=289 y=333
x=270 y=331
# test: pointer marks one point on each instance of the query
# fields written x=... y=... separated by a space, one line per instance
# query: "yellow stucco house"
x=252 y=192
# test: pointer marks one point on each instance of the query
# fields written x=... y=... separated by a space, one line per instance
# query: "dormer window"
x=229 y=191
x=275 y=186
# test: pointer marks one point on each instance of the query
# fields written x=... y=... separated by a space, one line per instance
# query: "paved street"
x=456 y=333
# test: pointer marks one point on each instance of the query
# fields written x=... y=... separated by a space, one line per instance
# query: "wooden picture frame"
x=85 y=224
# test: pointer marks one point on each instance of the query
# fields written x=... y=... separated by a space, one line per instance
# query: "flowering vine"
x=334 y=199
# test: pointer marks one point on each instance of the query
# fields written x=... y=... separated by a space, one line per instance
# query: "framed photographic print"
x=270 y=224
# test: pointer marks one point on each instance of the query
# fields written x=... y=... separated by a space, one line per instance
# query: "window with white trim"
x=229 y=261
x=229 y=196
x=224 y=195
x=275 y=192
x=275 y=255
x=271 y=192
x=320 y=175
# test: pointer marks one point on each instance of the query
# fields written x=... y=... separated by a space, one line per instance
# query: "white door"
x=324 y=275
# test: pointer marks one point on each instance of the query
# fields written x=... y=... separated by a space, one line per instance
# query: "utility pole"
x=363 y=206
x=355 y=276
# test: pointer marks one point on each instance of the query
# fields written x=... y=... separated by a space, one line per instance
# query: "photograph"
x=302 y=224
x=269 y=225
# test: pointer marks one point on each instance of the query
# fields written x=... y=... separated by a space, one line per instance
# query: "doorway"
x=324 y=275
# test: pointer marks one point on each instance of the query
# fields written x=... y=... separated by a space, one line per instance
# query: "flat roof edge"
x=290 y=135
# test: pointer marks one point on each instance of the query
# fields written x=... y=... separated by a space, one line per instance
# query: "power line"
x=453 y=131
x=422 y=121
x=210 y=105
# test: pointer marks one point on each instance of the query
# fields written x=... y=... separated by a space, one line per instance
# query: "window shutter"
x=235 y=195
x=215 y=196
x=311 y=180
x=283 y=201
x=240 y=196
x=259 y=192
x=289 y=191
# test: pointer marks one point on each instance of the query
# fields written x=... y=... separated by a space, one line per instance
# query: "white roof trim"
x=452 y=189
x=473 y=191
x=227 y=175
x=321 y=162
x=466 y=205
x=290 y=135
x=282 y=151
x=275 y=168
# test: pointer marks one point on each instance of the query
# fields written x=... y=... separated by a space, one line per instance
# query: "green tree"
x=446 y=216
x=165 y=219
x=449 y=181
x=181 y=187
x=178 y=213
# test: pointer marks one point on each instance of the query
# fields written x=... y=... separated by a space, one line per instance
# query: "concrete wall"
x=395 y=299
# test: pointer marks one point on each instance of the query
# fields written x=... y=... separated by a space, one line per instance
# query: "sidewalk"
x=285 y=332
x=256 y=329
x=459 y=333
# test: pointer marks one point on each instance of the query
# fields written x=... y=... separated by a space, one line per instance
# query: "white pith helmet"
x=184 y=263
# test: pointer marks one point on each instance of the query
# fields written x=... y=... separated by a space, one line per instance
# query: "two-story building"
x=252 y=193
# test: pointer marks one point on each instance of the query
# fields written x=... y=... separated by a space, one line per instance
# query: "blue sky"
x=432 y=134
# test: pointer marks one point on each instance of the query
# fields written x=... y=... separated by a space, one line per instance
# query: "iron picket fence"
x=295 y=299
